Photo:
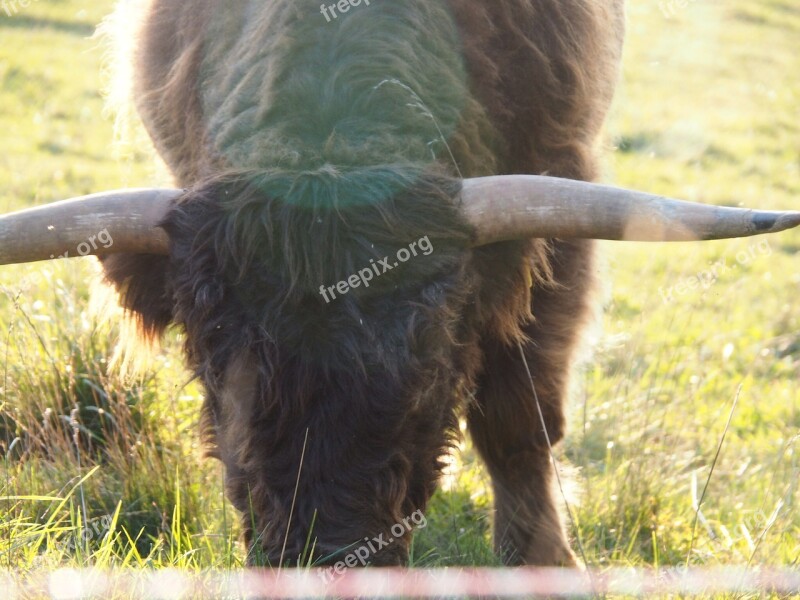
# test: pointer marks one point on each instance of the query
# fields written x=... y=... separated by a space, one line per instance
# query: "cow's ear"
x=141 y=283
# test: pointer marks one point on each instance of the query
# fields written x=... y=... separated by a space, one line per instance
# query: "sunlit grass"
x=707 y=111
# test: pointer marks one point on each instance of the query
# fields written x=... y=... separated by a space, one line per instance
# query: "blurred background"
x=99 y=470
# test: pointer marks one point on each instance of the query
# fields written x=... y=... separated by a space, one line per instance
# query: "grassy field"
x=100 y=471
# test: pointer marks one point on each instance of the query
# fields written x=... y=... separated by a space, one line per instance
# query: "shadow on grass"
x=635 y=144
x=19 y=21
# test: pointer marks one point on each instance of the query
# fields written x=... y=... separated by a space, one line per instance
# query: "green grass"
x=707 y=110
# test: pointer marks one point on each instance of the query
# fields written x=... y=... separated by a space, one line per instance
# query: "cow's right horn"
x=130 y=218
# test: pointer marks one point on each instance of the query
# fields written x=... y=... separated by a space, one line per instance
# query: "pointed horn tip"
x=772 y=222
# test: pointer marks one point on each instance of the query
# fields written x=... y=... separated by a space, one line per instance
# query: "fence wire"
x=524 y=582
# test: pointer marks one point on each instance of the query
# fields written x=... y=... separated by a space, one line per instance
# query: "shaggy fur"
x=309 y=148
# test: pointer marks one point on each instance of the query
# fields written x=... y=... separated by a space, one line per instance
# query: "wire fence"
x=523 y=582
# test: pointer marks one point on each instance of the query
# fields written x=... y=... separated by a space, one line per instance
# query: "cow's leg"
x=504 y=421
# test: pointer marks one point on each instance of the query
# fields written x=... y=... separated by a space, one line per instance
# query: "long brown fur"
x=310 y=148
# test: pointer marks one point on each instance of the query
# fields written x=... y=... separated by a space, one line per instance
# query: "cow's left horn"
x=105 y=223
x=524 y=206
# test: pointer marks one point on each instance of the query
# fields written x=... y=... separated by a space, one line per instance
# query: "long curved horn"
x=511 y=207
x=500 y=208
x=70 y=228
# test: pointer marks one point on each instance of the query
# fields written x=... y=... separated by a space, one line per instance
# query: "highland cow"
x=310 y=149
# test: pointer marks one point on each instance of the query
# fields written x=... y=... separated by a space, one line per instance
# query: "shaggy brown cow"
x=313 y=147
x=322 y=259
